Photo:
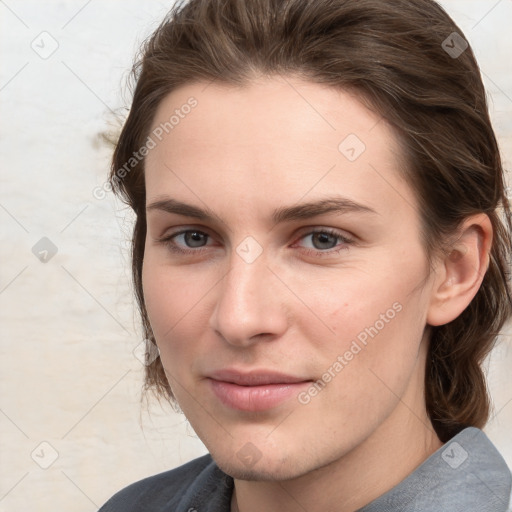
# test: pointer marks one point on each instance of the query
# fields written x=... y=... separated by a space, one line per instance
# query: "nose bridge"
x=247 y=300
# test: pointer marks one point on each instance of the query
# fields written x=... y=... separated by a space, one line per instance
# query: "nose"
x=249 y=303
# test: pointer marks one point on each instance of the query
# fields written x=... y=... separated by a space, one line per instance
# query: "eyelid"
x=310 y=230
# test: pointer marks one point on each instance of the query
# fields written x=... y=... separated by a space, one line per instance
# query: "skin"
x=243 y=152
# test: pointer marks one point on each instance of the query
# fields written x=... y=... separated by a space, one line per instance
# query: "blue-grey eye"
x=194 y=238
x=323 y=240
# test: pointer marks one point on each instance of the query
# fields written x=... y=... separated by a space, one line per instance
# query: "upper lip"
x=254 y=377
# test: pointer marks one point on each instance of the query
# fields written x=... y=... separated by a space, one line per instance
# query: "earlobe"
x=461 y=272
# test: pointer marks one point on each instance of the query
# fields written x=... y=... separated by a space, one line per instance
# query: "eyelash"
x=168 y=242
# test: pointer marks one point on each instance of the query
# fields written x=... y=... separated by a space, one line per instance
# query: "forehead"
x=289 y=106
x=274 y=138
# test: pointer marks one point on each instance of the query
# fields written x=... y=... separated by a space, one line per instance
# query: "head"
x=252 y=113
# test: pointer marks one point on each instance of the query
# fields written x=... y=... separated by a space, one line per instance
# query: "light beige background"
x=70 y=377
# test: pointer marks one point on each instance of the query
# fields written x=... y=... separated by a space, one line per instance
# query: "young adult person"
x=321 y=256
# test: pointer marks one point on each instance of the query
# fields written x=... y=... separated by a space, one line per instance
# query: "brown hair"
x=395 y=54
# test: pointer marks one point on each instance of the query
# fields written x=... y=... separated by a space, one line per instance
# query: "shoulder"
x=182 y=488
x=467 y=474
x=476 y=476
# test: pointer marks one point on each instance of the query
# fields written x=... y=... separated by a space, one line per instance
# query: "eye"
x=193 y=240
x=326 y=242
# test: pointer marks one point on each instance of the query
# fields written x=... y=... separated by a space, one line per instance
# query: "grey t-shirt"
x=467 y=474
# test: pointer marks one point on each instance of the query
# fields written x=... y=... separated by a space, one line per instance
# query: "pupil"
x=193 y=237
x=324 y=238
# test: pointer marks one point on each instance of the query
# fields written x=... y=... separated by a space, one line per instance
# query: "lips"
x=257 y=390
x=255 y=378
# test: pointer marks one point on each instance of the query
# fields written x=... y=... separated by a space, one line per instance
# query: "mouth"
x=255 y=391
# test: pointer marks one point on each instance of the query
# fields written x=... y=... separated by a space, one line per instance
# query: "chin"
x=265 y=469
x=259 y=472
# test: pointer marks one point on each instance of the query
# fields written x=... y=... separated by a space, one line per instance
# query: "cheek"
x=176 y=304
x=168 y=294
x=381 y=347
x=164 y=300
x=156 y=297
x=372 y=319
x=349 y=304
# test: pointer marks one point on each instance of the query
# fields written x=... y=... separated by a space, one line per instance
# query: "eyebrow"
x=338 y=205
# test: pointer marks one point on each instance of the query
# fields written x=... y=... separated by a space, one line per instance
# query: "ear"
x=460 y=274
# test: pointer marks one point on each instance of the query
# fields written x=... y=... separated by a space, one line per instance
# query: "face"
x=283 y=275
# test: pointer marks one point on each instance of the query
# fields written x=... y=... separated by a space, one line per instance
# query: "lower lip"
x=255 y=398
